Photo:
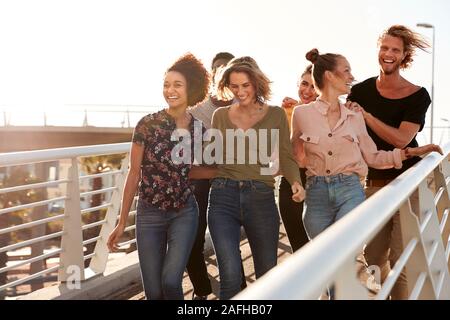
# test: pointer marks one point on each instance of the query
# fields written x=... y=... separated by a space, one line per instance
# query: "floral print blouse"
x=164 y=184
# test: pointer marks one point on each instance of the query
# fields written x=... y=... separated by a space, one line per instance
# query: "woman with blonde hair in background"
x=291 y=212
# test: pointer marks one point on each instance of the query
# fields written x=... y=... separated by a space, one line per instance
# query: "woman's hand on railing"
x=298 y=193
x=115 y=236
x=419 y=151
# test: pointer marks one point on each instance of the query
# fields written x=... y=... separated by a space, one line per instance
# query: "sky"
x=59 y=53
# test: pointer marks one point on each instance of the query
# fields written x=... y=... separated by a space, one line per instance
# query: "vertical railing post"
x=347 y=285
x=417 y=263
x=85 y=121
x=434 y=248
x=98 y=261
x=41 y=212
x=443 y=204
x=71 y=258
x=5 y=119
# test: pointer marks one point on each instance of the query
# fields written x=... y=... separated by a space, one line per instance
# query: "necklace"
x=326 y=102
x=329 y=105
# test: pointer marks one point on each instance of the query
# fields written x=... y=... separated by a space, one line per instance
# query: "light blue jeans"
x=164 y=242
x=330 y=198
x=247 y=203
x=327 y=200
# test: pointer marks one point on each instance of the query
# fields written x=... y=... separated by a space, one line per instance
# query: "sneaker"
x=366 y=278
x=196 y=297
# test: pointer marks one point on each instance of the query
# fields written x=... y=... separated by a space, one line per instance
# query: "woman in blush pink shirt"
x=333 y=143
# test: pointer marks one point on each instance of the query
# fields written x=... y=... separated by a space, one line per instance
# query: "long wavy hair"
x=258 y=79
x=411 y=42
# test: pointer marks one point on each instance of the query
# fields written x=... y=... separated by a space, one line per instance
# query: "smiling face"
x=242 y=88
x=175 y=90
x=342 y=78
x=391 y=54
x=306 y=91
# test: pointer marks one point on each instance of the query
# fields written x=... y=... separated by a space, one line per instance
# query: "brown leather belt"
x=377 y=182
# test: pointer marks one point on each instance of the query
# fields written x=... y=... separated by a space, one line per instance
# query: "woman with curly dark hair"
x=167 y=213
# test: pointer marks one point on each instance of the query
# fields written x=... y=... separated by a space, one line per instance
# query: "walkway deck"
x=284 y=251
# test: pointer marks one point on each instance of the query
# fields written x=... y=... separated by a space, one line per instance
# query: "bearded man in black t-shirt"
x=394 y=110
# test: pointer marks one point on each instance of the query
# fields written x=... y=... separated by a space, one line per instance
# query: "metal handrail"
x=91 y=193
x=94 y=224
x=121 y=244
x=98 y=175
x=31 y=205
x=444 y=219
x=33 y=186
x=31 y=241
x=92 y=209
x=31 y=224
x=395 y=272
x=418 y=287
x=31 y=277
x=47 y=155
x=129 y=228
x=71 y=251
x=28 y=261
x=91 y=240
x=315 y=265
x=88 y=256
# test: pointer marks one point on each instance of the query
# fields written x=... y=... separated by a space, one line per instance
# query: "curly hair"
x=322 y=63
x=197 y=77
x=258 y=79
x=411 y=42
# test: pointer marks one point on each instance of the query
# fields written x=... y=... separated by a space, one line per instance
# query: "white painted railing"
x=330 y=258
x=71 y=255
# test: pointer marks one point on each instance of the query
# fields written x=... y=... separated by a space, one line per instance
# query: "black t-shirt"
x=392 y=112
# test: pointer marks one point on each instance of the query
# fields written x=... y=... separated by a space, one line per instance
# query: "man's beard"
x=391 y=70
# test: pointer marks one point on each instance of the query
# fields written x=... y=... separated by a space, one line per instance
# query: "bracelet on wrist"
x=407 y=153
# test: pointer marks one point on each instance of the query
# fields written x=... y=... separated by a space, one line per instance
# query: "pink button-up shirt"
x=347 y=148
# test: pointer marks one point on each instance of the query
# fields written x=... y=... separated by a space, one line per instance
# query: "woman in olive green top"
x=251 y=133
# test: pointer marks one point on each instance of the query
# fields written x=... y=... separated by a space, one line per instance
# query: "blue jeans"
x=247 y=203
x=330 y=198
x=164 y=242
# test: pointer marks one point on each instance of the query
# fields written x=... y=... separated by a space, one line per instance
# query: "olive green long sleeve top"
x=268 y=141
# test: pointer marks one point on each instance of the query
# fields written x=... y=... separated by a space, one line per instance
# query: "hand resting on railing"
x=419 y=151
